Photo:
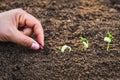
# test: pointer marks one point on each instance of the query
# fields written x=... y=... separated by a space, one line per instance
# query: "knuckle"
x=19 y=10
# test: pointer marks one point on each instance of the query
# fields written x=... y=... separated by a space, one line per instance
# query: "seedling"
x=108 y=39
x=85 y=43
x=65 y=47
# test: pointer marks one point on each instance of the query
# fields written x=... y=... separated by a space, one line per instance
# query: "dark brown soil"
x=64 y=21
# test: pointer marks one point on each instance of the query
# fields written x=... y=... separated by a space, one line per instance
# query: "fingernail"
x=35 y=46
x=41 y=47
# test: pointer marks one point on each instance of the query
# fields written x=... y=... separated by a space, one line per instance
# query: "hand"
x=11 y=21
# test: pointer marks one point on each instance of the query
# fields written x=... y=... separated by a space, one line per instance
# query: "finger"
x=32 y=22
x=35 y=24
x=27 y=31
x=40 y=35
x=24 y=40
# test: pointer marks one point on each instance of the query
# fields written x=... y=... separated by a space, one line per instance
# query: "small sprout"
x=65 y=47
x=108 y=39
x=85 y=42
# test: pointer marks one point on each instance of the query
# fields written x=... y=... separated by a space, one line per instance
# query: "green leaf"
x=84 y=40
x=110 y=35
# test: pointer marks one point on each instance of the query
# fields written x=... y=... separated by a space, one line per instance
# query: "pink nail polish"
x=35 y=46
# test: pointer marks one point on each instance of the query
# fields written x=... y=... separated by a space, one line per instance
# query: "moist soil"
x=64 y=21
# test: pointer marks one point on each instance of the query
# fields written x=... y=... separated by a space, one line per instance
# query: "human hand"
x=11 y=21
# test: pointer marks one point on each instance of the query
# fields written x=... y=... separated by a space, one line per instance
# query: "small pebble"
x=112 y=10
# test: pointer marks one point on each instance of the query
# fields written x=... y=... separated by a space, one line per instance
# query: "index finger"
x=30 y=21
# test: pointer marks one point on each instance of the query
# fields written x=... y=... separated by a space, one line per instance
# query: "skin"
x=11 y=21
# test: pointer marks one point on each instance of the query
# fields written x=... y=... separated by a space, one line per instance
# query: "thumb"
x=24 y=40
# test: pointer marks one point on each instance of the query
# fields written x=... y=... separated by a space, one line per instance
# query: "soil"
x=64 y=21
